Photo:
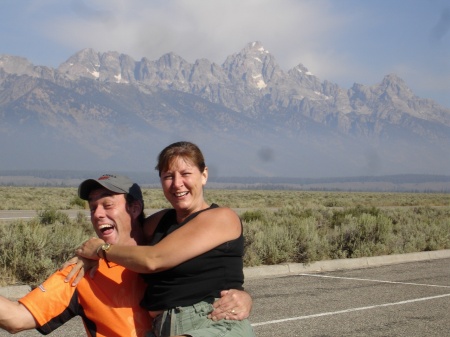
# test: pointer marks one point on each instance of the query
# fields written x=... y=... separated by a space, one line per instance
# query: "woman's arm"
x=206 y=231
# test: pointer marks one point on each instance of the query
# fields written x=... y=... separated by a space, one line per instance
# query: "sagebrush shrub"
x=279 y=226
x=32 y=250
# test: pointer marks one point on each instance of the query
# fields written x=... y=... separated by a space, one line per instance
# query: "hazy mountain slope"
x=106 y=110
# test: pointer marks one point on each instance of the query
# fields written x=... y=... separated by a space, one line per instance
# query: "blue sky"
x=343 y=41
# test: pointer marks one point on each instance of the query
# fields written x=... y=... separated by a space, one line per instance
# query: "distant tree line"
x=68 y=178
x=395 y=179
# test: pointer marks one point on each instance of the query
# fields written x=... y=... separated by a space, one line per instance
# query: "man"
x=108 y=303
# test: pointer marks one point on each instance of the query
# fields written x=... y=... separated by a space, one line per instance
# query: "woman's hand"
x=86 y=261
x=89 y=249
x=233 y=304
x=72 y=261
x=77 y=270
x=81 y=267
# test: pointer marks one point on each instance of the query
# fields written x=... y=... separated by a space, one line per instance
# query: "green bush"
x=279 y=226
x=32 y=250
x=78 y=202
x=293 y=234
x=50 y=216
x=252 y=215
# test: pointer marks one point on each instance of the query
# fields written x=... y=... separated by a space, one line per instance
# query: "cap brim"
x=88 y=185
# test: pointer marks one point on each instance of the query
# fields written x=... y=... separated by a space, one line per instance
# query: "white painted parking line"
x=378 y=281
x=349 y=310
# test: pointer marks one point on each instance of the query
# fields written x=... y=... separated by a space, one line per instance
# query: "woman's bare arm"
x=206 y=231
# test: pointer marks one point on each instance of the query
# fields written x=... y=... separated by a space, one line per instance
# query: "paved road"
x=9 y=215
x=408 y=299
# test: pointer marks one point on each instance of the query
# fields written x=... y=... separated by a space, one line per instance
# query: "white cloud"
x=199 y=28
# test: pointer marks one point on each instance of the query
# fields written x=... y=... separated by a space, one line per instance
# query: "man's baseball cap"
x=113 y=182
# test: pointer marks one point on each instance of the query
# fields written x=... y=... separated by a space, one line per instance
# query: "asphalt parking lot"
x=405 y=299
x=408 y=299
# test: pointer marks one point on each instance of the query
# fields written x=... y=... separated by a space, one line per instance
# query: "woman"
x=188 y=262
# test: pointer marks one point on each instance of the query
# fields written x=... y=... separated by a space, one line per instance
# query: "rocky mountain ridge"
x=249 y=116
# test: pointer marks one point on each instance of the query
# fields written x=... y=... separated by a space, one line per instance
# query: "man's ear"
x=135 y=208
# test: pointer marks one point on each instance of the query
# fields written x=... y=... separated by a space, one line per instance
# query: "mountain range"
x=107 y=111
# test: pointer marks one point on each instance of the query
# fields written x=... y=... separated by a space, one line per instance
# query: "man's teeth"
x=105 y=227
x=181 y=194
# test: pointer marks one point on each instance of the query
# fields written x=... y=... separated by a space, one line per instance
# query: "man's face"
x=110 y=216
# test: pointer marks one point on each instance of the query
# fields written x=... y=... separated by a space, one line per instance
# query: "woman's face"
x=183 y=185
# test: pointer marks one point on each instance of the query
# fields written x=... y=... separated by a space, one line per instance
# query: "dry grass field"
x=61 y=198
x=279 y=226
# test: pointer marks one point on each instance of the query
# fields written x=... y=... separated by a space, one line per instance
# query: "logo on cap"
x=106 y=176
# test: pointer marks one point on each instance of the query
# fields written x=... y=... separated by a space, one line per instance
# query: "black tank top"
x=197 y=279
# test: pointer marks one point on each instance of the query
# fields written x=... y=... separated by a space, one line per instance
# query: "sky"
x=342 y=41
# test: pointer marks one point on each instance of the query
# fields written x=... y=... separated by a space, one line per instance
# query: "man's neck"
x=136 y=236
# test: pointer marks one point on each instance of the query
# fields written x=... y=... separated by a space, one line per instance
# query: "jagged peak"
x=22 y=66
x=170 y=59
x=395 y=84
x=252 y=52
x=12 y=58
x=255 y=47
x=203 y=61
x=14 y=64
x=88 y=55
x=392 y=78
x=300 y=68
x=84 y=54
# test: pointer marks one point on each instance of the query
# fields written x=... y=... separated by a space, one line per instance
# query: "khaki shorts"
x=193 y=321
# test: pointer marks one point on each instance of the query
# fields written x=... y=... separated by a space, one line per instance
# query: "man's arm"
x=15 y=317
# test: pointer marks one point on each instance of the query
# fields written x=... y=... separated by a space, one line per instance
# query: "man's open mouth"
x=106 y=228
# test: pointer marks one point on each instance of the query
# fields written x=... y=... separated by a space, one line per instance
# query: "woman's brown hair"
x=185 y=150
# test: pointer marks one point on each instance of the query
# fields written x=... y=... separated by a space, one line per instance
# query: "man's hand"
x=233 y=304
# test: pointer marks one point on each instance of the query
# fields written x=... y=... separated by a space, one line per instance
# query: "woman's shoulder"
x=158 y=215
x=222 y=220
x=152 y=221
x=218 y=212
